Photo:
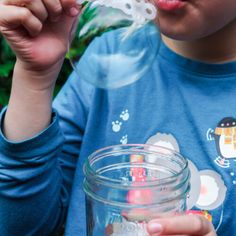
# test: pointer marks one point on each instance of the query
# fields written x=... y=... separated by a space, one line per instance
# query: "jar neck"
x=136 y=175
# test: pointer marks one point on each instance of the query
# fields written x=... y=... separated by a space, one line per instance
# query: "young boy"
x=188 y=93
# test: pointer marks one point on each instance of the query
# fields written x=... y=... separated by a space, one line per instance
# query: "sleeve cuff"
x=49 y=138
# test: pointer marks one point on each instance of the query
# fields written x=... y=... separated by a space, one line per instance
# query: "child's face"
x=195 y=19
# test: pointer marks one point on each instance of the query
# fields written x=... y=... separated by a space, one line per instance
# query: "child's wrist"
x=36 y=79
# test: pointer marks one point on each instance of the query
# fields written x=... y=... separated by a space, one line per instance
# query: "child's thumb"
x=69 y=23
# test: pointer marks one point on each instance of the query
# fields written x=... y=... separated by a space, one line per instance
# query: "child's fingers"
x=38 y=9
x=70 y=7
x=19 y=3
x=181 y=225
x=66 y=4
x=12 y=17
x=36 y=6
x=54 y=8
x=32 y=24
x=32 y=13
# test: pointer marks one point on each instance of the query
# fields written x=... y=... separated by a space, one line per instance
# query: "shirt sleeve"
x=30 y=181
x=36 y=175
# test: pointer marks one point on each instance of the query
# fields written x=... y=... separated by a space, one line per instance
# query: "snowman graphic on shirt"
x=208 y=189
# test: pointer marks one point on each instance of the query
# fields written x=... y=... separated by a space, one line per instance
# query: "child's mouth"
x=170 y=5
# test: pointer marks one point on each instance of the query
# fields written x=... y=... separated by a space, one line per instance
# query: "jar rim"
x=91 y=174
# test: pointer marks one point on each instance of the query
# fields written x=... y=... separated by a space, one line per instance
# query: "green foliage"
x=7 y=61
x=79 y=45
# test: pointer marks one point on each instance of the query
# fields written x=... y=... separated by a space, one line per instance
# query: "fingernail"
x=155 y=228
x=74 y=11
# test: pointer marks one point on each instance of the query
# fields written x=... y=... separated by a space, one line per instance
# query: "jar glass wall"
x=128 y=185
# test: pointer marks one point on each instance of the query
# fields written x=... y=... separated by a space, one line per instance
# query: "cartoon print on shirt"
x=225 y=141
x=124 y=115
x=208 y=190
x=124 y=139
x=164 y=140
x=212 y=192
x=233 y=175
x=116 y=125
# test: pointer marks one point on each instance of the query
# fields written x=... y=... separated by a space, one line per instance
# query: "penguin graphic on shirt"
x=225 y=140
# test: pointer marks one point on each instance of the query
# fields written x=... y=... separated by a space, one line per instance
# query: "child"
x=189 y=92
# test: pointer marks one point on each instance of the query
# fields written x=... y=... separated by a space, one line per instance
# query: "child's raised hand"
x=38 y=31
x=181 y=225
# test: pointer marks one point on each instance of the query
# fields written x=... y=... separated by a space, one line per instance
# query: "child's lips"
x=170 y=5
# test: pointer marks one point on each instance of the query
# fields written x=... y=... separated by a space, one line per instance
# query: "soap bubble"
x=124 y=42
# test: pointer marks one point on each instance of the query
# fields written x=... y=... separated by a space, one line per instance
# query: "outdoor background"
x=99 y=21
x=7 y=58
x=7 y=61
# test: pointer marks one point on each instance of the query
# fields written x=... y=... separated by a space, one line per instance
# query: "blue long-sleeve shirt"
x=179 y=103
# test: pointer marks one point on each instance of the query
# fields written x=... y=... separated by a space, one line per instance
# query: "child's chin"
x=180 y=35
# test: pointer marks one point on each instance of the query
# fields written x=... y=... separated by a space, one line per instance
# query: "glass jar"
x=128 y=185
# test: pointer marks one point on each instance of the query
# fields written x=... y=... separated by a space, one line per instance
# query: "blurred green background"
x=7 y=61
x=7 y=57
x=98 y=24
